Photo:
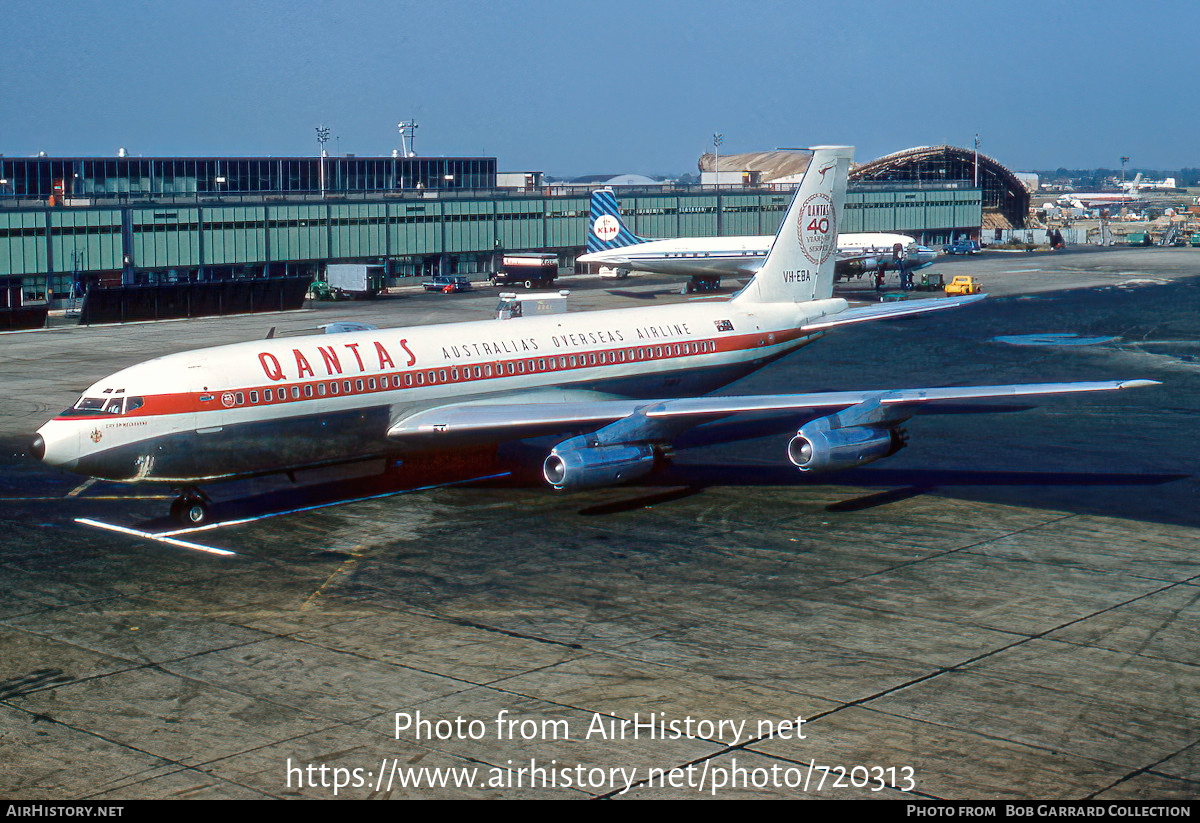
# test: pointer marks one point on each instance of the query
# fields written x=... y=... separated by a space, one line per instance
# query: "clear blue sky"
x=605 y=86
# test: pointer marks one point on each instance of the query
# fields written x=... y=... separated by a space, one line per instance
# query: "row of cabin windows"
x=117 y=405
x=453 y=374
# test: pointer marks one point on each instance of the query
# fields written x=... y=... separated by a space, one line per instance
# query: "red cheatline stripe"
x=287 y=392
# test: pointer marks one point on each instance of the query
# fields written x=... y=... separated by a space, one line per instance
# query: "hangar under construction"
x=1004 y=197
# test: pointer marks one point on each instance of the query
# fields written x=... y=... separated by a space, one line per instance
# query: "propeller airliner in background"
x=612 y=245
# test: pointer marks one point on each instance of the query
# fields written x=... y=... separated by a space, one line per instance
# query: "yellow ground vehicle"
x=963 y=284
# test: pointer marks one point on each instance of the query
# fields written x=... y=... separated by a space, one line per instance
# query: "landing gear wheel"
x=190 y=510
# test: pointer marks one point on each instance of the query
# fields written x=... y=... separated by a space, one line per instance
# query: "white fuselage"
x=272 y=405
x=744 y=254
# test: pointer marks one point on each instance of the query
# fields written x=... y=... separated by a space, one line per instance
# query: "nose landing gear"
x=191 y=508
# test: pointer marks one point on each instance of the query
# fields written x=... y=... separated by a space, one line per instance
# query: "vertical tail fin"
x=606 y=230
x=799 y=266
x=1137 y=183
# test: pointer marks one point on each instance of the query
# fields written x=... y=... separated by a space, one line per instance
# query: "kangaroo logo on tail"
x=799 y=266
x=605 y=228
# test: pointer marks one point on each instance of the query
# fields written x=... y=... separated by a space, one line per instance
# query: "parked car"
x=963 y=284
x=448 y=283
x=961 y=247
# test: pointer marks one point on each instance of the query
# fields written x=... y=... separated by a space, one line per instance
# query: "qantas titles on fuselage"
x=330 y=360
x=325 y=361
x=329 y=355
x=318 y=367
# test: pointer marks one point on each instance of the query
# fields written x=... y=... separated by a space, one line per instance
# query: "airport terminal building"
x=69 y=223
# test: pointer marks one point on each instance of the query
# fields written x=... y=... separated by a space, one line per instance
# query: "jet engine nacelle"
x=597 y=466
x=821 y=449
x=861 y=265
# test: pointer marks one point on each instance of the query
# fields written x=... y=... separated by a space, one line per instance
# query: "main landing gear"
x=191 y=508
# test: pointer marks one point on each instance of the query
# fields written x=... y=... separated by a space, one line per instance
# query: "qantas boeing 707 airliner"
x=616 y=387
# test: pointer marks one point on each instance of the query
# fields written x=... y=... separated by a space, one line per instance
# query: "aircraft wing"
x=900 y=308
x=473 y=422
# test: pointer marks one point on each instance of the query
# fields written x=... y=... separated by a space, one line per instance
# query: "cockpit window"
x=89 y=406
x=105 y=405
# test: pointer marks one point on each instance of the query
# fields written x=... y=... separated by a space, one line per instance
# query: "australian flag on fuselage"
x=606 y=230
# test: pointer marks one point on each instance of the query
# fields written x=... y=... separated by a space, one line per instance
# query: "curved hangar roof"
x=774 y=165
x=1003 y=192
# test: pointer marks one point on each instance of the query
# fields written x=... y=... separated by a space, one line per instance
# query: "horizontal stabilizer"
x=882 y=311
x=347 y=326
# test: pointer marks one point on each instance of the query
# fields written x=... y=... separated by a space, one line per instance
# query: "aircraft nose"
x=37 y=447
x=56 y=444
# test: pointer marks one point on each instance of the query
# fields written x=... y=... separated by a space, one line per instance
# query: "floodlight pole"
x=977 y=161
x=322 y=139
x=409 y=128
x=718 y=139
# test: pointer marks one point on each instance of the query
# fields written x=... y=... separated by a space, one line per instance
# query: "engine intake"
x=598 y=466
x=821 y=449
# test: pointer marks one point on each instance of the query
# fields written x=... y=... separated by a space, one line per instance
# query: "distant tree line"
x=1098 y=178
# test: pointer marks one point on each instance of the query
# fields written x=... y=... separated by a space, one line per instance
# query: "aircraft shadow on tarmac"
x=727 y=475
x=675 y=482
x=643 y=295
x=687 y=481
